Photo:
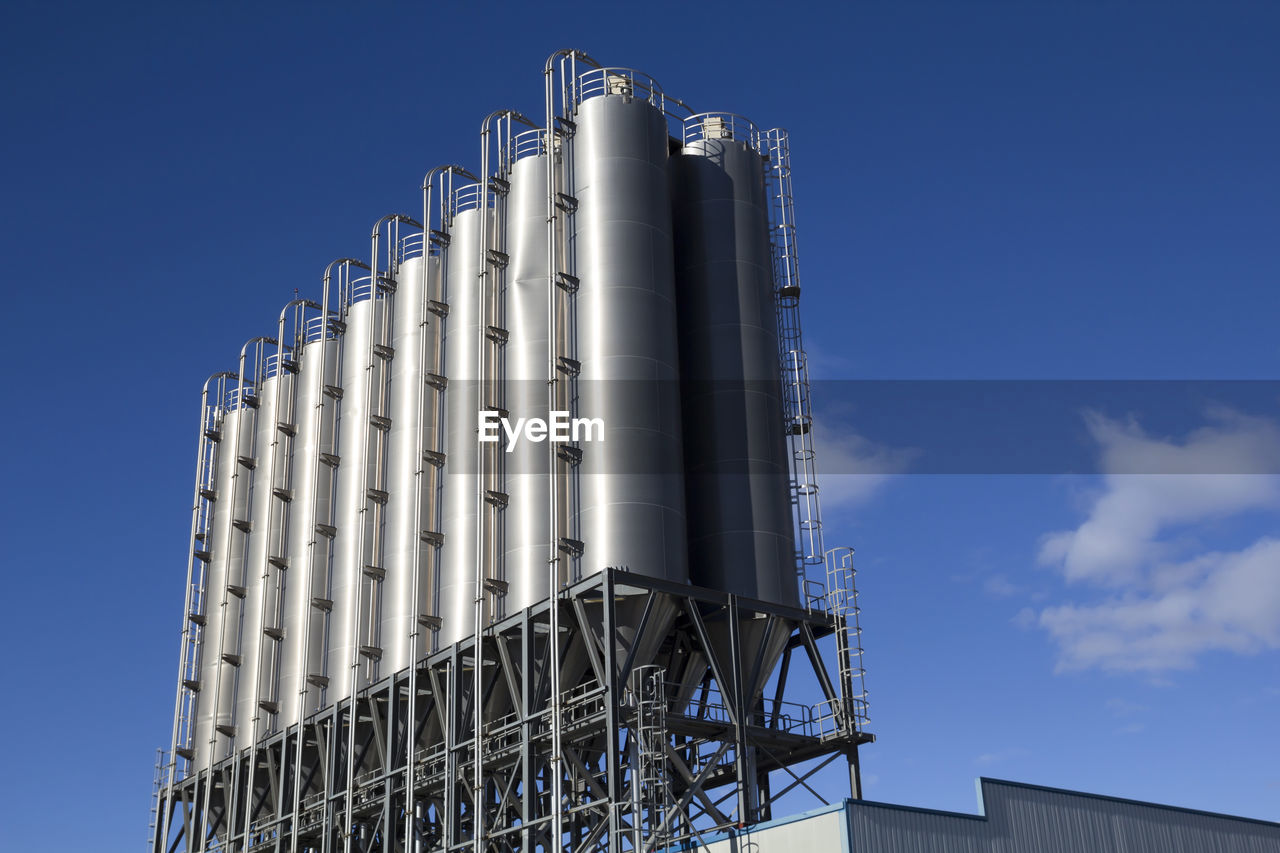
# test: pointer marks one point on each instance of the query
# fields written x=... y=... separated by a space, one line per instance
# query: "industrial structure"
x=400 y=635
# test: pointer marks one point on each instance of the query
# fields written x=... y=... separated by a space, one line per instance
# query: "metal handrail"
x=720 y=125
x=468 y=197
x=530 y=143
x=411 y=246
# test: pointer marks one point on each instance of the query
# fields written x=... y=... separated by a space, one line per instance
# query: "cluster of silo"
x=615 y=262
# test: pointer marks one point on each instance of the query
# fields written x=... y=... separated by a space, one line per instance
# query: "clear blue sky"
x=986 y=190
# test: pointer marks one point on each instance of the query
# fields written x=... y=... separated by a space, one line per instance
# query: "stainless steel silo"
x=353 y=546
x=527 y=533
x=221 y=657
x=215 y=590
x=259 y=537
x=409 y=502
x=631 y=513
x=460 y=489
x=737 y=483
x=303 y=655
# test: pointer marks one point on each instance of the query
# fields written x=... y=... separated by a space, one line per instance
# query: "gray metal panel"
x=459 y=491
x=407 y=509
x=1025 y=817
x=737 y=488
x=631 y=512
x=352 y=551
x=310 y=477
x=527 y=532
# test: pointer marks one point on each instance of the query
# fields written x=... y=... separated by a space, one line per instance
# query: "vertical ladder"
x=842 y=602
x=797 y=407
x=651 y=796
x=157 y=785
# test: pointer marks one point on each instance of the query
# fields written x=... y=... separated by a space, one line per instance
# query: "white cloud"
x=857 y=467
x=1162 y=609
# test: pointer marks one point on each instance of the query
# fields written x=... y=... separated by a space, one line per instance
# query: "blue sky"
x=985 y=190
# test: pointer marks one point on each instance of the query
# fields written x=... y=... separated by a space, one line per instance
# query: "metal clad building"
x=1014 y=818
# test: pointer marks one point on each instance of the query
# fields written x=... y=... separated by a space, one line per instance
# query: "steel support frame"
x=721 y=743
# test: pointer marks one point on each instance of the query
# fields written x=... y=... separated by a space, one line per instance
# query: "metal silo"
x=216 y=588
x=222 y=657
x=353 y=541
x=631 y=513
x=409 y=505
x=527 y=534
x=256 y=574
x=460 y=489
x=308 y=550
x=740 y=519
